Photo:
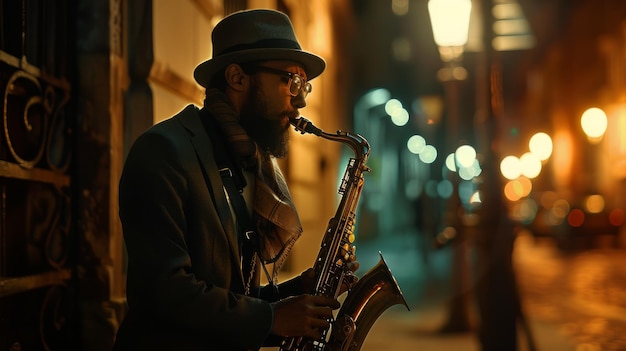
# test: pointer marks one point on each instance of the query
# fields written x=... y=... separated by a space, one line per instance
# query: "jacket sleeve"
x=162 y=282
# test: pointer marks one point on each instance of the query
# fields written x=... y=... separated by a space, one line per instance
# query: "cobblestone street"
x=582 y=293
x=573 y=301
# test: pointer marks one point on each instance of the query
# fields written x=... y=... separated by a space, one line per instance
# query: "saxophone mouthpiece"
x=303 y=125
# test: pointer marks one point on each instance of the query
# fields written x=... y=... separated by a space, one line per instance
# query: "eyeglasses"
x=296 y=83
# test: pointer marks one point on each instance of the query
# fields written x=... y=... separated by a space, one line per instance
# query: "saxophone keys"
x=352 y=254
x=351 y=237
x=350 y=279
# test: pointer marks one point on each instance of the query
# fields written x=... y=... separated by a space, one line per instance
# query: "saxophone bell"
x=372 y=295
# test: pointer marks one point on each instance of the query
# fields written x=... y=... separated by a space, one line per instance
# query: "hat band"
x=264 y=44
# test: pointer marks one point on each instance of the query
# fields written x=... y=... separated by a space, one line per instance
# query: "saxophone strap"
x=247 y=236
x=234 y=182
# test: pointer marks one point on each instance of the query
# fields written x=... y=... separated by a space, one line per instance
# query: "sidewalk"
x=582 y=293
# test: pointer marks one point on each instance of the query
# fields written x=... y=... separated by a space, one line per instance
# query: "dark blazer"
x=185 y=285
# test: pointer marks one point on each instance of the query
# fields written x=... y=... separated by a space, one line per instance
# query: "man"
x=196 y=248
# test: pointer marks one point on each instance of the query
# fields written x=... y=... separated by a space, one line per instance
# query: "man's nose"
x=298 y=101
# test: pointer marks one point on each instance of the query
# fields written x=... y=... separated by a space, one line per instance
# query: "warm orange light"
x=616 y=142
x=547 y=199
x=576 y=218
x=563 y=156
x=517 y=189
x=511 y=167
x=616 y=217
x=531 y=165
x=594 y=122
x=594 y=203
x=513 y=191
x=540 y=145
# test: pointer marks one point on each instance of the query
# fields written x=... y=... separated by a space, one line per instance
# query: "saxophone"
x=373 y=293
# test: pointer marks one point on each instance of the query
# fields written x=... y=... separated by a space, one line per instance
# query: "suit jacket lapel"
x=190 y=118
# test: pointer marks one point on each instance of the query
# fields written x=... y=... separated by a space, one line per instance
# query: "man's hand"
x=303 y=315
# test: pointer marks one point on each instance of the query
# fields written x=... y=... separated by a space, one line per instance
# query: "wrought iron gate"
x=37 y=301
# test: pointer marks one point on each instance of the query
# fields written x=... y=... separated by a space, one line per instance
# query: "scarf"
x=273 y=211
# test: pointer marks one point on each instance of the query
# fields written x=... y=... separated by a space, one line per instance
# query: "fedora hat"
x=256 y=35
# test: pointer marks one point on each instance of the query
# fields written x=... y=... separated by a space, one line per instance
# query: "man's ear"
x=236 y=78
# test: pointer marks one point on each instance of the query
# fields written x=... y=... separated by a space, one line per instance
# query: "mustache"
x=292 y=114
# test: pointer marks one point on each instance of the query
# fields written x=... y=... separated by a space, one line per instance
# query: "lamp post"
x=450 y=24
x=498 y=302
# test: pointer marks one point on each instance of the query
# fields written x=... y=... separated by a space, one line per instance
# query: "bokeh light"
x=416 y=144
x=525 y=211
x=400 y=7
x=616 y=217
x=540 y=145
x=530 y=165
x=413 y=189
x=399 y=115
x=392 y=106
x=475 y=198
x=576 y=218
x=594 y=122
x=450 y=164
x=445 y=189
x=466 y=173
x=511 y=167
x=548 y=198
x=518 y=188
x=594 y=203
x=431 y=188
x=428 y=155
x=465 y=155
x=477 y=168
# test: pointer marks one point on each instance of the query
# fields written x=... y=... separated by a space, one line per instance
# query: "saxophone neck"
x=359 y=144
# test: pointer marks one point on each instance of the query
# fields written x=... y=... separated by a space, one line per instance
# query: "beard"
x=270 y=134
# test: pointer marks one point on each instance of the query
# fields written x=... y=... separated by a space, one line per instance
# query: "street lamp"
x=450 y=23
x=594 y=123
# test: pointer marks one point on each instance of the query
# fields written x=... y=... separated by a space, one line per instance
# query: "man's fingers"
x=303 y=315
x=325 y=301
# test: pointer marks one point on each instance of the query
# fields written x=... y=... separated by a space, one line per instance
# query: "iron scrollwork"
x=35 y=123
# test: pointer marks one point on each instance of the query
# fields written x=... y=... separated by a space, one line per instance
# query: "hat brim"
x=313 y=64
